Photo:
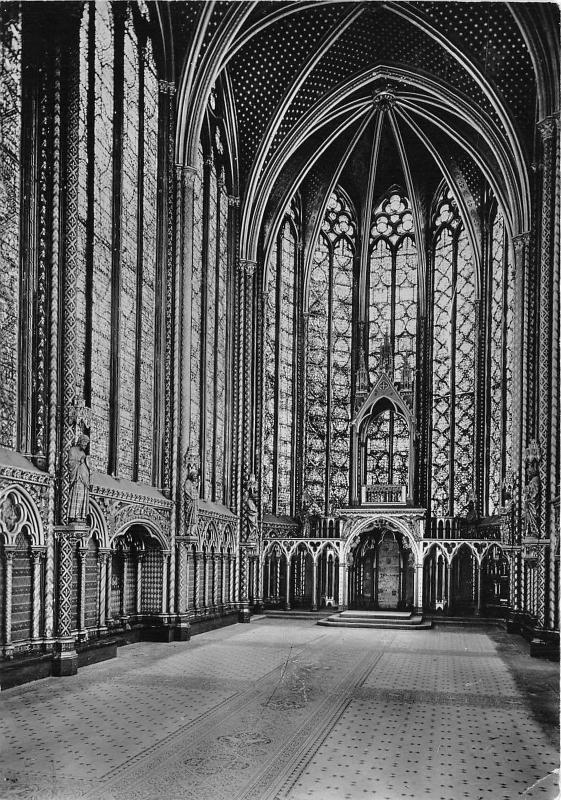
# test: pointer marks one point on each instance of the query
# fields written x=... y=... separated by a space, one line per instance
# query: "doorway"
x=382 y=572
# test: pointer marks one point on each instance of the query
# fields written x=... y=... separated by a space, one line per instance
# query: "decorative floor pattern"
x=286 y=710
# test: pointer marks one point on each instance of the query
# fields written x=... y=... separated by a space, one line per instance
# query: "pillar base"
x=65 y=659
x=182 y=631
x=244 y=615
x=258 y=607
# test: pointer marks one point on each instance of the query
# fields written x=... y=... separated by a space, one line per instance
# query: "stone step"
x=297 y=614
x=396 y=620
x=374 y=615
x=414 y=624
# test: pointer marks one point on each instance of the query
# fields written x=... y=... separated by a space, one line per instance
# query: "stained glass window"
x=137 y=254
x=10 y=129
x=454 y=330
x=387 y=451
x=280 y=341
x=317 y=374
x=500 y=368
x=129 y=235
x=196 y=300
x=393 y=283
x=210 y=312
x=210 y=322
x=149 y=223
x=221 y=339
x=328 y=358
x=269 y=426
x=100 y=17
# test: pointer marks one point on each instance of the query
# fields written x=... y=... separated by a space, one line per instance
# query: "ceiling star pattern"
x=263 y=71
x=379 y=37
x=463 y=76
x=490 y=35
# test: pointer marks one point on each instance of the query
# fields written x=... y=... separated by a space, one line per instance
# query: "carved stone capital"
x=186 y=173
x=521 y=241
x=247 y=267
x=233 y=200
x=38 y=552
x=547 y=128
x=166 y=87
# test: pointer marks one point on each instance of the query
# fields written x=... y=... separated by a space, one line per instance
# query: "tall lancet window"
x=387 y=450
x=210 y=321
x=500 y=368
x=453 y=361
x=117 y=207
x=328 y=358
x=10 y=132
x=393 y=285
x=280 y=360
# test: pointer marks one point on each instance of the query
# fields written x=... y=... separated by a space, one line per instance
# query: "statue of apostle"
x=191 y=500
x=251 y=509
x=79 y=480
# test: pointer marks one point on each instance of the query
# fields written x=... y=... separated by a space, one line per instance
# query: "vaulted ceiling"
x=369 y=94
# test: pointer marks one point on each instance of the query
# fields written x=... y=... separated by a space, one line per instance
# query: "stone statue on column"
x=532 y=490
x=191 y=498
x=251 y=513
x=78 y=480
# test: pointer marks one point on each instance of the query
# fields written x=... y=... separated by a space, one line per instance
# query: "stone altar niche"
x=381 y=570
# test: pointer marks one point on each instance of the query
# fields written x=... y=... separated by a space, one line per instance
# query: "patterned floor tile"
x=285 y=710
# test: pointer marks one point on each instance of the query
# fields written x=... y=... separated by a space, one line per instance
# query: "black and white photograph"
x=279 y=400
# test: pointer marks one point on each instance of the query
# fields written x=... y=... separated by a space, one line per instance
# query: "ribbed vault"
x=305 y=83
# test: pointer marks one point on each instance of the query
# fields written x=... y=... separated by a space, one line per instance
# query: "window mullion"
x=278 y=312
x=139 y=261
x=453 y=312
x=117 y=197
x=329 y=379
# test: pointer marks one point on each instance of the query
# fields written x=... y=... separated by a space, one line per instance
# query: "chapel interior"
x=279 y=320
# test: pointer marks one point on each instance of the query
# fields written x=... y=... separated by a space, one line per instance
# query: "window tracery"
x=500 y=367
x=280 y=382
x=108 y=50
x=454 y=331
x=210 y=321
x=393 y=283
x=10 y=131
x=328 y=358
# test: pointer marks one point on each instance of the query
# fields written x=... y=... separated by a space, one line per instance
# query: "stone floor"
x=287 y=709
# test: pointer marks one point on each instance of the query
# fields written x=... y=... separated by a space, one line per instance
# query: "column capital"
x=186 y=173
x=247 y=266
x=520 y=241
x=166 y=87
x=547 y=127
x=233 y=200
x=9 y=551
